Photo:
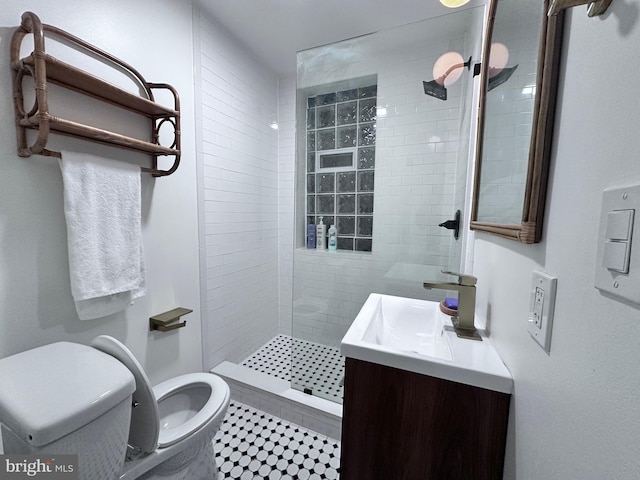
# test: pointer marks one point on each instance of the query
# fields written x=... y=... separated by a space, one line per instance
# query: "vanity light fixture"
x=498 y=56
x=446 y=71
x=454 y=3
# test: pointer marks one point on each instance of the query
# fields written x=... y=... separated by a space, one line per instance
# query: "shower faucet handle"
x=463 y=278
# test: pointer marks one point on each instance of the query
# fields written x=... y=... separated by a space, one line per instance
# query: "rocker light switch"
x=615 y=256
x=619 y=223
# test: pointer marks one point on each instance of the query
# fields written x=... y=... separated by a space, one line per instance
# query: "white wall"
x=36 y=306
x=575 y=412
x=238 y=152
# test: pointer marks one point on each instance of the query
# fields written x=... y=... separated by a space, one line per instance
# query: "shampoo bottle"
x=311 y=236
x=333 y=238
x=321 y=230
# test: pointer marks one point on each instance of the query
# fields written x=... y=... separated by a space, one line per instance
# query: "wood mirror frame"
x=530 y=228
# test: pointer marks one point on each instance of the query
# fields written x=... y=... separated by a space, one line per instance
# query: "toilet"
x=97 y=402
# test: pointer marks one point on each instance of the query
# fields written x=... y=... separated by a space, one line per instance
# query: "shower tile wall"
x=239 y=188
x=286 y=207
x=415 y=179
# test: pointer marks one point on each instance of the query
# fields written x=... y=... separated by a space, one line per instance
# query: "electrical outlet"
x=538 y=304
x=543 y=295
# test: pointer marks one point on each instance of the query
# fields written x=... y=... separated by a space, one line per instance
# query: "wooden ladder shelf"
x=44 y=68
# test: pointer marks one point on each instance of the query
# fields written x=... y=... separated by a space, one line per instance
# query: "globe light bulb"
x=444 y=64
x=453 y=3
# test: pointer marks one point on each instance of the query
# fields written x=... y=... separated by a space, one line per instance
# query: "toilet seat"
x=146 y=432
x=145 y=426
x=216 y=401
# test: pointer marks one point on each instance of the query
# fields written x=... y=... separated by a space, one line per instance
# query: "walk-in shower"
x=386 y=165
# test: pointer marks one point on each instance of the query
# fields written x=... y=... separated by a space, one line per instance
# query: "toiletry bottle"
x=311 y=236
x=333 y=238
x=321 y=230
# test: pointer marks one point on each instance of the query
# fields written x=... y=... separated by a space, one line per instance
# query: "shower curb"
x=276 y=397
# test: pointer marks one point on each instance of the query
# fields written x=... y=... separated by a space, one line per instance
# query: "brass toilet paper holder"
x=164 y=322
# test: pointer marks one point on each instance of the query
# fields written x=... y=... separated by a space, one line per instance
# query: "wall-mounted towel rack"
x=44 y=69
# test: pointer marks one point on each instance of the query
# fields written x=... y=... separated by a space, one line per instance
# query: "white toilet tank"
x=67 y=398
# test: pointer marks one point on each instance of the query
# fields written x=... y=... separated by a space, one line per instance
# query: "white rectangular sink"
x=407 y=325
x=414 y=335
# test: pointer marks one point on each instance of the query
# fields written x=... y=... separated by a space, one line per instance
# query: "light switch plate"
x=620 y=210
x=542 y=305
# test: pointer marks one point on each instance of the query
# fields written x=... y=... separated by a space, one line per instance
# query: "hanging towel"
x=102 y=206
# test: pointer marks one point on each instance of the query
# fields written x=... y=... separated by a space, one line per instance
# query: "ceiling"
x=274 y=30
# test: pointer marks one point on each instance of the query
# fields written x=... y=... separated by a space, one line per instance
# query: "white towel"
x=102 y=206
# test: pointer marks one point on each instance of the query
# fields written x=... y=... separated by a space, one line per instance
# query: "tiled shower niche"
x=340 y=160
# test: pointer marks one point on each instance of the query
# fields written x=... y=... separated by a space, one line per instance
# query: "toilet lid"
x=145 y=426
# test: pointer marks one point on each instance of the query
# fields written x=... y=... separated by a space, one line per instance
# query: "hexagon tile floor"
x=253 y=445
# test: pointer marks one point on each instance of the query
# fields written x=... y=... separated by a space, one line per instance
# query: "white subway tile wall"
x=239 y=154
x=248 y=194
x=286 y=207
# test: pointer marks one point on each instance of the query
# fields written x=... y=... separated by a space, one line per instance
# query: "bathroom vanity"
x=420 y=403
x=404 y=425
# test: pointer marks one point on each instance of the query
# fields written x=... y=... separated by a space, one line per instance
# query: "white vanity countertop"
x=473 y=362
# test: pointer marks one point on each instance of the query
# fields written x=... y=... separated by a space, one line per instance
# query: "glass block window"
x=341 y=138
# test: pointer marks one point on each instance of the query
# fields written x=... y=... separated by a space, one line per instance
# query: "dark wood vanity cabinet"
x=400 y=425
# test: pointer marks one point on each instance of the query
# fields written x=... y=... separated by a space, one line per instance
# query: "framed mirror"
x=515 y=125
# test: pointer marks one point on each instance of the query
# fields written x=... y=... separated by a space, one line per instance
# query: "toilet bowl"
x=179 y=415
x=97 y=402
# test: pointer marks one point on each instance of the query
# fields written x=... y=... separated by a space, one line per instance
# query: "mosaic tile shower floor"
x=316 y=367
x=253 y=445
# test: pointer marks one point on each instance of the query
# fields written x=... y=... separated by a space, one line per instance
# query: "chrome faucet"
x=463 y=324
